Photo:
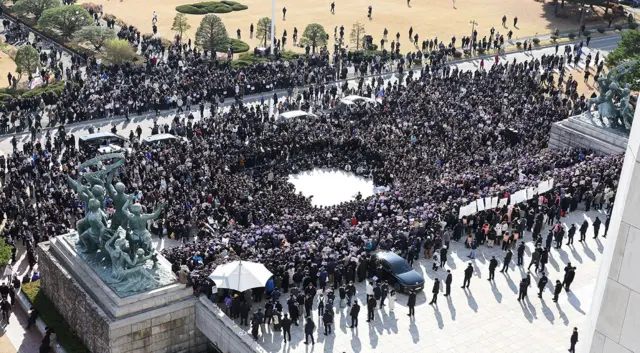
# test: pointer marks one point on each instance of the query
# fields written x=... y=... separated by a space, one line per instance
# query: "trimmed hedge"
x=52 y=318
x=8 y=93
x=536 y=41
x=203 y=8
x=237 y=46
x=571 y=35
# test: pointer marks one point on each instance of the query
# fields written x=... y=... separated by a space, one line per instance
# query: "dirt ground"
x=429 y=18
x=6 y=65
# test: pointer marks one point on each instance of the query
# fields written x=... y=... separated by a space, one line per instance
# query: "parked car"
x=98 y=142
x=399 y=274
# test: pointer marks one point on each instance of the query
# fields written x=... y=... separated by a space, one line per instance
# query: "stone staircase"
x=584 y=131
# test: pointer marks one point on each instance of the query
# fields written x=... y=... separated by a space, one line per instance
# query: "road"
x=603 y=45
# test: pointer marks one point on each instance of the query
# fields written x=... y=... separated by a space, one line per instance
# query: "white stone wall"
x=614 y=322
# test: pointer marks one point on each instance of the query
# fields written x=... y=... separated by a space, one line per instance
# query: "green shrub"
x=554 y=38
x=633 y=25
x=571 y=35
x=52 y=318
x=536 y=41
x=586 y=32
x=237 y=46
x=618 y=27
x=481 y=51
x=457 y=54
x=601 y=30
x=202 y=8
x=518 y=44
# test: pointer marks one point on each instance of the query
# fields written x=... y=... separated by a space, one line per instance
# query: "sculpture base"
x=159 y=320
x=588 y=131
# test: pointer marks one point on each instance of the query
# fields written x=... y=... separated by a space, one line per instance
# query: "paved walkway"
x=485 y=318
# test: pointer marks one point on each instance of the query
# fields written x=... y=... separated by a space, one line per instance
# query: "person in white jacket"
x=369 y=288
x=392 y=299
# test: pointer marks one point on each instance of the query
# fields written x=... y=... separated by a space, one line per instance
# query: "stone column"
x=614 y=318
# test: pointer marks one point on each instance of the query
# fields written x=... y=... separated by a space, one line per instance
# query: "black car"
x=398 y=272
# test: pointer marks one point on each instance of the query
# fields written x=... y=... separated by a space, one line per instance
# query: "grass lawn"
x=52 y=318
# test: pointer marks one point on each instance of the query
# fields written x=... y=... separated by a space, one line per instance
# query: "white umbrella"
x=240 y=275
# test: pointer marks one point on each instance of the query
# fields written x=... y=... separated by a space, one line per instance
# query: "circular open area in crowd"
x=330 y=187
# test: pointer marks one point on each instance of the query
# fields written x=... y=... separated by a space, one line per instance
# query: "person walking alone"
x=286 y=328
x=524 y=285
x=574 y=340
x=557 y=290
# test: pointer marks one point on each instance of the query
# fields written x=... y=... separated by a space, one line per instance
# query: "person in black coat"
x=468 y=272
x=556 y=291
x=507 y=261
x=493 y=264
x=443 y=256
x=327 y=320
x=583 y=230
x=355 y=310
x=570 y=234
x=245 y=309
x=286 y=328
x=542 y=283
x=309 y=328
x=544 y=258
x=435 y=291
x=524 y=285
x=568 y=278
x=371 y=306
x=520 y=253
x=447 y=283
x=574 y=340
x=411 y=303
x=596 y=227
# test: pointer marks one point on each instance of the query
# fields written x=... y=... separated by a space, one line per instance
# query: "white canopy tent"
x=240 y=275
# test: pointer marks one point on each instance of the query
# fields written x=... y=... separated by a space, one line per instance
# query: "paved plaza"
x=485 y=318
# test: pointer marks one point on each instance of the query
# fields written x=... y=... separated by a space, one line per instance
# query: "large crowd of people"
x=439 y=139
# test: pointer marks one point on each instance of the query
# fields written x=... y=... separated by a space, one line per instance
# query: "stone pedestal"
x=586 y=131
x=159 y=320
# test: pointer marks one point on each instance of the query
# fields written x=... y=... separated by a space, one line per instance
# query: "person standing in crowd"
x=286 y=328
x=435 y=291
x=327 y=320
x=493 y=264
x=583 y=230
x=447 y=283
x=570 y=234
x=524 y=285
x=520 y=251
x=468 y=272
x=507 y=261
x=542 y=283
x=557 y=290
x=371 y=307
x=392 y=299
x=355 y=310
x=596 y=227
x=411 y=303
x=309 y=329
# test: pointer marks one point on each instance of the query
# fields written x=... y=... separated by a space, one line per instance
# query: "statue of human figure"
x=122 y=266
x=84 y=193
x=92 y=226
x=140 y=236
x=119 y=198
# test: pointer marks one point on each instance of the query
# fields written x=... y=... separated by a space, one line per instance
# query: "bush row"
x=203 y=8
